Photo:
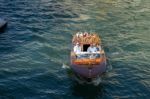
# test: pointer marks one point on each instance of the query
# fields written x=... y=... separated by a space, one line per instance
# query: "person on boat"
x=98 y=47
x=77 y=48
x=92 y=48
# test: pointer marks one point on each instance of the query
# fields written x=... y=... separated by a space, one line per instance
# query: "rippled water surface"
x=37 y=42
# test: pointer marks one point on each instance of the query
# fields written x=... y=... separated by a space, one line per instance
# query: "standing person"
x=77 y=48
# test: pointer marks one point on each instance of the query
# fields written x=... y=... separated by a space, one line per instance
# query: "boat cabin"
x=85 y=41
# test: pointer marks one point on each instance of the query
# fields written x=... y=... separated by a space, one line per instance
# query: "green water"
x=37 y=43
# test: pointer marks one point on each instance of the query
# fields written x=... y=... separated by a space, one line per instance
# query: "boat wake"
x=65 y=66
x=92 y=81
x=97 y=81
x=109 y=65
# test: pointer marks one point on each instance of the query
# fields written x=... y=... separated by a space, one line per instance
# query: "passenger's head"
x=92 y=45
x=77 y=44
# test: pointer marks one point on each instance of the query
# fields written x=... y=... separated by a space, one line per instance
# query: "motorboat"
x=87 y=64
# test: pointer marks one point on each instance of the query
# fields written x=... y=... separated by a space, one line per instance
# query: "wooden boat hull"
x=89 y=72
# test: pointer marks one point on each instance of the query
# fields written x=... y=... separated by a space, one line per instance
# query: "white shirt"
x=77 y=49
x=92 y=49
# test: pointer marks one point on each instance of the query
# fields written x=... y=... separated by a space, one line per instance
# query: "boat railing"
x=83 y=53
x=88 y=55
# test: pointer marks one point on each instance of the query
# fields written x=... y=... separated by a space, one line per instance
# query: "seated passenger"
x=92 y=48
